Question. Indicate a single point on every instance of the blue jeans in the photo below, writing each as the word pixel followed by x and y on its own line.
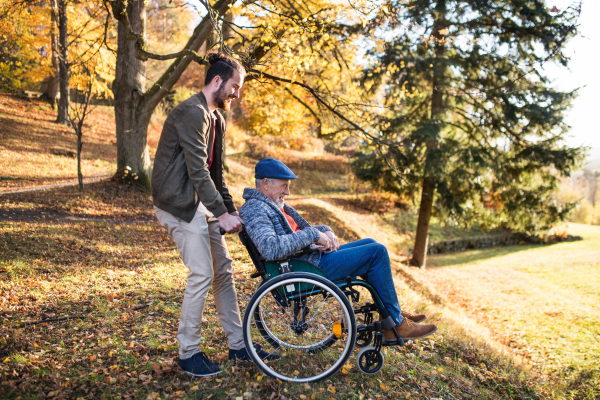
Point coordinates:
pixel 368 259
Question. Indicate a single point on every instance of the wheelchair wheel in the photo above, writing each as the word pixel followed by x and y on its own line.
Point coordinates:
pixel 313 330
pixel 369 360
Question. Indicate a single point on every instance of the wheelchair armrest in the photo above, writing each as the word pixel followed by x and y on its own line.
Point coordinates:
pixel 305 250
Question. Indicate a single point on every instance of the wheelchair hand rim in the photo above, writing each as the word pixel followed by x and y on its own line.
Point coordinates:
pixel 315 280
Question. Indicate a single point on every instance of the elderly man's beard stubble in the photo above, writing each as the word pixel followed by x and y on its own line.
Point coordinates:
pixel 221 98
pixel 280 202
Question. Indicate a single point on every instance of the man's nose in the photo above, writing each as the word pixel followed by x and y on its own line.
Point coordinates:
pixel 236 93
pixel 286 192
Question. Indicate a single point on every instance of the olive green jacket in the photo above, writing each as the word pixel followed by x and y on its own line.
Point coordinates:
pixel 180 177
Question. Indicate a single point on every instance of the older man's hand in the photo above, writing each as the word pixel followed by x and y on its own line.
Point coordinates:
pixel 335 243
pixel 324 241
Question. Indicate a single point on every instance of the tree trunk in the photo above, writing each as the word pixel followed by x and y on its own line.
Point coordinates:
pixel 133 106
pixel 63 58
pixel 79 147
pixel 53 86
pixel 420 249
pixel 132 119
pixel 437 108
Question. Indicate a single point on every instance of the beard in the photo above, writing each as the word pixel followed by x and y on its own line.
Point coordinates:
pixel 280 202
pixel 220 99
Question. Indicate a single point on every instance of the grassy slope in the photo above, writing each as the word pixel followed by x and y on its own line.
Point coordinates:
pixel 34 150
pixel 98 253
pixel 541 302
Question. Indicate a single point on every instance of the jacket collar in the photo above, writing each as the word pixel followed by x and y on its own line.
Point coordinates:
pixel 252 193
pixel 204 104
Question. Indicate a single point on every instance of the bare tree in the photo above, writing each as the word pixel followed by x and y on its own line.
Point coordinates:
pixel 78 111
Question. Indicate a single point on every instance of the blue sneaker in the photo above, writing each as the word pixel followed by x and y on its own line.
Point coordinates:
pixel 199 365
pixel 242 354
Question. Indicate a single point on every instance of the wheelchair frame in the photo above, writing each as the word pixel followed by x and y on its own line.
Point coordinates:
pixel 288 282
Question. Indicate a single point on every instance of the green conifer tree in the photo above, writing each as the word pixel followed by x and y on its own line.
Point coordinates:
pixel 473 124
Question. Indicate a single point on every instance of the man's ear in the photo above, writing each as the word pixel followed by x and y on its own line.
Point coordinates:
pixel 218 81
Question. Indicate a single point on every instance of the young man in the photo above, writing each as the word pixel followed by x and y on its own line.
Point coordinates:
pixel 192 202
pixel 278 231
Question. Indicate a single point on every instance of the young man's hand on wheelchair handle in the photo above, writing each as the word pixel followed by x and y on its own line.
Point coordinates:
pixel 324 241
pixel 230 222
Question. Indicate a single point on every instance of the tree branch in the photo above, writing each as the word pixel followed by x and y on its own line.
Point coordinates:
pixel 326 105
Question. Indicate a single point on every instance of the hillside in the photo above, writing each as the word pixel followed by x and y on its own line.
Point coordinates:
pixel 36 151
pixel 101 256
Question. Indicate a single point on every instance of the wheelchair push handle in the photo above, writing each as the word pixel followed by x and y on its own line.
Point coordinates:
pixel 224 232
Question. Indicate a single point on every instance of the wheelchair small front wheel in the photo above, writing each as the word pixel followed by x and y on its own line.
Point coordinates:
pixel 312 330
pixel 369 360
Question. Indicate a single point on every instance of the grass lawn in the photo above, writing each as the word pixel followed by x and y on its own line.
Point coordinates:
pixel 541 302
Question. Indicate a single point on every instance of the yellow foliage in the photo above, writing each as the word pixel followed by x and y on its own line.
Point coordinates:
pixel 306 51
pixel 24 51
pixel 26 33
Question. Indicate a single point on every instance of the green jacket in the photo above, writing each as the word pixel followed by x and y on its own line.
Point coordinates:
pixel 180 176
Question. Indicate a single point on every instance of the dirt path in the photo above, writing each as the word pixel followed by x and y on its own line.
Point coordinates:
pixel 92 179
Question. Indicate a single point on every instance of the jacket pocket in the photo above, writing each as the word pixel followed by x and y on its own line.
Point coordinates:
pixel 176 187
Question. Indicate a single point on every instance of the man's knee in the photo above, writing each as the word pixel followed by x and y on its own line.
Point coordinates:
pixel 380 249
pixel 199 279
pixel 224 274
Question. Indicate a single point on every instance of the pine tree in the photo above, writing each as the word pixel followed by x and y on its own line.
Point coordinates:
pixel 472 122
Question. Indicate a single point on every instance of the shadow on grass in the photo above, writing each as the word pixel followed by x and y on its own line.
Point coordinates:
pixel 471 256
pixel 104 200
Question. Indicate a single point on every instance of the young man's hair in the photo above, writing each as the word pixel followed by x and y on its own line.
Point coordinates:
pixel 223 66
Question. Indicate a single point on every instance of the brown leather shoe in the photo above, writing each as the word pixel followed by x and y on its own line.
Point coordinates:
pixel 416 318
pixel 408 330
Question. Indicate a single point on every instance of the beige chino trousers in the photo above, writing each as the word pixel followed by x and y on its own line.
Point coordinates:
pixel 204 252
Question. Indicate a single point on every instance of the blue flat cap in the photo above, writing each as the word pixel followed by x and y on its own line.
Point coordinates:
pixel 272 168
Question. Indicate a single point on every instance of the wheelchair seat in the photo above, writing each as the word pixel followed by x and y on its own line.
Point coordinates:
pixel 271 269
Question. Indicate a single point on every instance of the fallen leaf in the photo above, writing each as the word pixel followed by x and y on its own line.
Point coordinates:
pixel 93 357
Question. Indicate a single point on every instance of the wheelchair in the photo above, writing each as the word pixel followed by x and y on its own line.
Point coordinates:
pixel 308 321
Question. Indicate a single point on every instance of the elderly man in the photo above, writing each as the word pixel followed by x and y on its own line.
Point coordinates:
pixel 278 231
